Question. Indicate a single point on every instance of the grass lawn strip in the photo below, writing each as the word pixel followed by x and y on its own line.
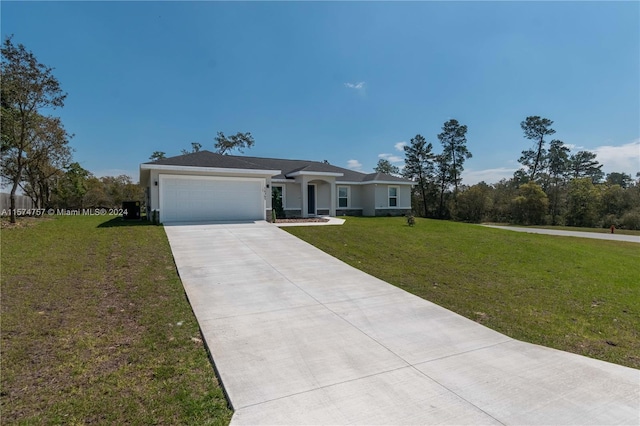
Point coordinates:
pixel 573 294
pixel 96 328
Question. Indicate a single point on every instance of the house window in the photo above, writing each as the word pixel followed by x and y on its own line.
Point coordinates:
pixel 393 196
pixel 343 196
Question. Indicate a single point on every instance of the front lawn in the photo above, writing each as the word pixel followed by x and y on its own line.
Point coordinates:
pixel 575 294
pixel 96 328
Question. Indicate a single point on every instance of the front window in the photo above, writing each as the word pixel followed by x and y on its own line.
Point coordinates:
pixel 393 196
pixel 343 196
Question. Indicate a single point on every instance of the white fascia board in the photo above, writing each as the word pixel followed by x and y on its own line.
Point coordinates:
pixel 383 182
pixel 303 173
pixel 144 177
pixel 218 170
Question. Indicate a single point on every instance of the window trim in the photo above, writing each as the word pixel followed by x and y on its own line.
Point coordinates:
pixel 348 197
pixel 396 197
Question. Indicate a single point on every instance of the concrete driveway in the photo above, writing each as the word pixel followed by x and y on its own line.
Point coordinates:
pixel 299 337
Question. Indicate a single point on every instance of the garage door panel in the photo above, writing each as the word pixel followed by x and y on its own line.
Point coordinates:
pixel 208 198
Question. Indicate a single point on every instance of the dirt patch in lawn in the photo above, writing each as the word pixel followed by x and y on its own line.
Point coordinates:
pixel 21 221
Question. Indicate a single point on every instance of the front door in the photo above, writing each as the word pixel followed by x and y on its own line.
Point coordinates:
pixel 311 200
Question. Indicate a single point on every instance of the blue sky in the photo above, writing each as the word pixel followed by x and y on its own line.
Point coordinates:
pixel 346 82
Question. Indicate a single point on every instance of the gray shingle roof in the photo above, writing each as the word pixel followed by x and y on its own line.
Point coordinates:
pixel 207 159
pixel 383 177
pixel 211 159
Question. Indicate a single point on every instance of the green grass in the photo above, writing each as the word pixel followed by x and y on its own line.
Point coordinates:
pixel 575 294
pixel 96 328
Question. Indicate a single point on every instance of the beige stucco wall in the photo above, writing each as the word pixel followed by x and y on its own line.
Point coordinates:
pixel 355 196
pixel 380 193
pixel 368 200
pixel 292 195
pixel 323 194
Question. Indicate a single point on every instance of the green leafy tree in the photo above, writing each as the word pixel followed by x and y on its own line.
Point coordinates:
pixel 385 166
pixel 454 150
pixel 535 128
pixel 95 195
pixel 157 155
pixel 27 87
pixel 238 141
pixel 121 188
pixel 72 187
pixel 583 199
pixel 613 203
pixel 51 154
pixel 474 203
pixel 419 166
pixel 584 164
pixel 502 195
pixel 531 204
pixel 631 219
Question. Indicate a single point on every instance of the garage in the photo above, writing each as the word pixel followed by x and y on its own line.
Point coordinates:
pixel 210 198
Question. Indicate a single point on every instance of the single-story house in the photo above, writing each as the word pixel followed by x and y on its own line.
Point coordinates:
pixel 205 186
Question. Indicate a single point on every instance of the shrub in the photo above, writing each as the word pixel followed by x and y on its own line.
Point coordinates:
pixel 631 220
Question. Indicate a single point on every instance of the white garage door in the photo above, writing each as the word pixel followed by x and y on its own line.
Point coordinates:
pixel 206 198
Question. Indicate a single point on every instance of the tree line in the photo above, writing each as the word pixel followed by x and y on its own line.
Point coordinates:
pixel 553 187
pixel 437 176
pixel 35 152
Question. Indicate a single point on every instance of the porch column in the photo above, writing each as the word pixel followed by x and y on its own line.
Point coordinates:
pixel 305 196
pixel 332 205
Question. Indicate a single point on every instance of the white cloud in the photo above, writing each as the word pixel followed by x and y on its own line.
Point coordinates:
pixel 624 158
pixel 391 158
pixel 471 177
pixel 356 86
pixel 354 165
pixel 399 146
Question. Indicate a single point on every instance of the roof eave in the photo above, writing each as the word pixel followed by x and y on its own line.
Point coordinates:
pixel 383 182
pixel 307 173
pixel 218 170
